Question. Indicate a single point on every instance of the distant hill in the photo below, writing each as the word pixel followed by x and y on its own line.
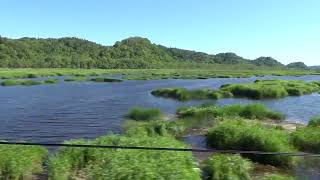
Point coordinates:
pixel 314 67
pixel 134 52
pixel 297 65
pixel 267 61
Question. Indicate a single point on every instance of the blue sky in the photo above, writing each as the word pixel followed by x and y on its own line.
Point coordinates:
pixel 288 30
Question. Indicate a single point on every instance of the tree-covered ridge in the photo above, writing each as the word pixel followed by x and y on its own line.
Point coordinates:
pixel 267 61
pixel 134 52
pixel 297 65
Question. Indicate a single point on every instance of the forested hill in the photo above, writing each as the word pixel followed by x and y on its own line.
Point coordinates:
pixel 133 52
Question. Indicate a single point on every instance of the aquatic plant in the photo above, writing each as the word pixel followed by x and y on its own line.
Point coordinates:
pixel 20 162
pixel 51 81
pixel 15 82
pixel 117 164
pixel 227 167
pixel 144 114
pixel 250 111
pixel 100 79
pixel 71 79
pixel 242 135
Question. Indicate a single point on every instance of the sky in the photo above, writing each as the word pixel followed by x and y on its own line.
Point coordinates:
pixel 288 30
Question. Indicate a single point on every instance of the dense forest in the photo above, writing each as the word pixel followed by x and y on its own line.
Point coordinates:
pixel 134 52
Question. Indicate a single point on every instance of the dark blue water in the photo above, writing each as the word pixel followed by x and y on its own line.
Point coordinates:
pixel 58 112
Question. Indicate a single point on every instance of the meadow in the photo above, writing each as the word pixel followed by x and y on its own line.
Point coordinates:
pixel 149 74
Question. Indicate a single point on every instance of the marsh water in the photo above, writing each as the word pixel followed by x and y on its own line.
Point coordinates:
pixel 58 112
pixel 68 110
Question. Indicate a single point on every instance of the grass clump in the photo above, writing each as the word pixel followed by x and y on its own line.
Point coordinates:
pixel 241 135
pixel 124 164
pixel 183 94
pixel 51 81
pixel 16 82
pixel 307 139
pixel 251 111
pixel 100 79
pixel 314 122
pixel 261 89
pixel 227 167
pixel 20 162
pixel 144 114
pixel 154 128
pixel 72 79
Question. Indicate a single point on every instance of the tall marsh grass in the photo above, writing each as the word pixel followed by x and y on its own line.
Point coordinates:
pixel 241 135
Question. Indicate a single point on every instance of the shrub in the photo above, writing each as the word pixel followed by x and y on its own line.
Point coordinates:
pixel 315 121
pixel 307 139
pixel 241 135
pixel 117 164
pixel 227 167
pixel 20 162
pixel 144 114
pixel 99 79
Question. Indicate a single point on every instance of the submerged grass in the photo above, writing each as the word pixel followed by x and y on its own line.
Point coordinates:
pixel 101 79
pixel 51 81
pixel 20 162
pixel 226 167
pixel 241 135
pixel 144 114
pixel 124 164
pixel 77 79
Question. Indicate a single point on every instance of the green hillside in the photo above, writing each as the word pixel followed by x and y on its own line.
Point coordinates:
pixel 134 52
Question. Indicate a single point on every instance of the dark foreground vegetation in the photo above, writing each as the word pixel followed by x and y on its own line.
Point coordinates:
pixel 260 89
pixel 124 164
pixel 241 135
pixel 20 162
